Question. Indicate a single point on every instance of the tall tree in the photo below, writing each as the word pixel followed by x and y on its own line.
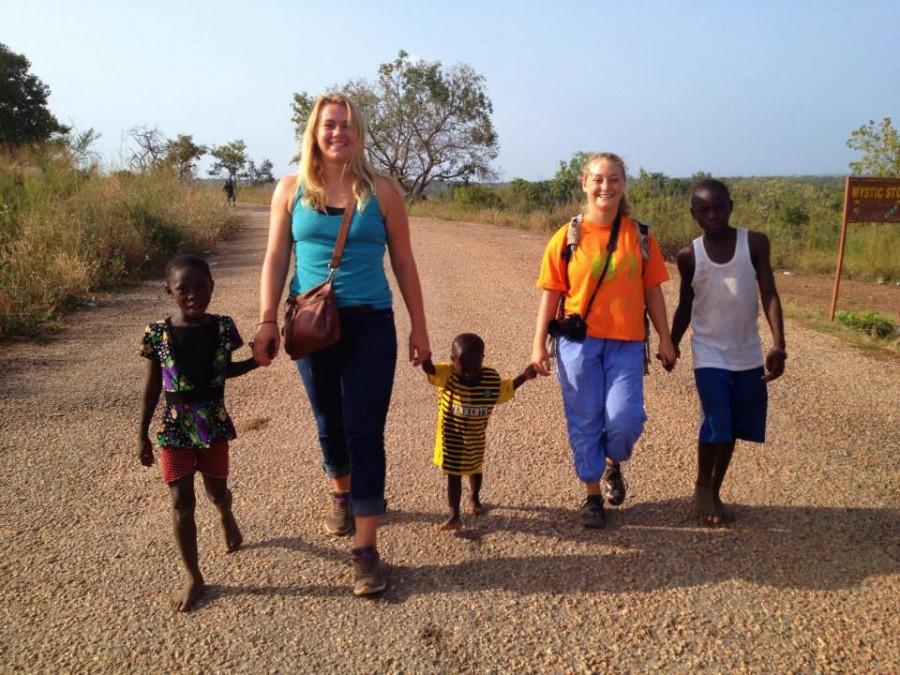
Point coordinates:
pixel 231 157
pixel 149 148
pixel 24 117
pixel 880 147
pixel 426 122
pixel 183 154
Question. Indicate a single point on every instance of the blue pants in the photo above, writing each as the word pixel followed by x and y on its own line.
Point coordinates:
pixel 603 398
pixel 349 387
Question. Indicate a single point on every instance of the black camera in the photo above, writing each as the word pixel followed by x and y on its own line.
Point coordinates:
pixel 571 327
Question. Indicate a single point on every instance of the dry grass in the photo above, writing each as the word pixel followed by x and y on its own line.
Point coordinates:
pixel 66 233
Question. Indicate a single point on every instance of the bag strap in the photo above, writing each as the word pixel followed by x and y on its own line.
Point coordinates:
pixel 610 249
pixel 341 239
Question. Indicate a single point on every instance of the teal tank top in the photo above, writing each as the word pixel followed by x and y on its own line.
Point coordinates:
pixel 360 279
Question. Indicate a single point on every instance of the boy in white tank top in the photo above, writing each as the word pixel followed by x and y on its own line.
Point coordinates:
pixel 720 274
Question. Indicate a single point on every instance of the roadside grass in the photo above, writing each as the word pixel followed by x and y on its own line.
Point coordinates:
pixel 810 247
pixel 816 318
pixel 68 232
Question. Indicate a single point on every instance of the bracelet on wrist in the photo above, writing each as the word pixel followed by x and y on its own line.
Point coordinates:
pixel 265 322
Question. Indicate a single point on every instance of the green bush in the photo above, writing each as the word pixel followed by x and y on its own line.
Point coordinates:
pixel 875 324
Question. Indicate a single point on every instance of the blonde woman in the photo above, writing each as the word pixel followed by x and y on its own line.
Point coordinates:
pixel 600 354
pixel 348 384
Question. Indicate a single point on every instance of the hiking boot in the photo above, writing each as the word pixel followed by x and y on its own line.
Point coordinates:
pixel 592 512
pixel 369 575
pixel 613 485
pixel 340 521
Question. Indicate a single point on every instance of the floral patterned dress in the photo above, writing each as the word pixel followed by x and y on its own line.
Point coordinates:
pixel 197 424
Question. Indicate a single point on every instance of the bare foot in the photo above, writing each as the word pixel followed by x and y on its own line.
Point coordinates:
pixel 233 537
pixel 725 513
pixel 705 507
pixel 184 600
pixel 476 508
pixel 452 524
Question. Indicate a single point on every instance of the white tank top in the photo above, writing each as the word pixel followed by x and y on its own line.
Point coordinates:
pixel 725 310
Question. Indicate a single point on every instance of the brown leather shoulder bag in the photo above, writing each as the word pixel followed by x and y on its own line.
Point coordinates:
pixel 311 319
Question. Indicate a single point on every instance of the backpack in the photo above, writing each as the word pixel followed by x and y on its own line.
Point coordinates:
pixel 572 237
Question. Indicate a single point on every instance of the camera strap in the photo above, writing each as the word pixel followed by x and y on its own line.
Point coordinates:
pixel 567 254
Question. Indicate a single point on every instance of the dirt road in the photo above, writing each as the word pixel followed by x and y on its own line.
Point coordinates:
pixel 808 580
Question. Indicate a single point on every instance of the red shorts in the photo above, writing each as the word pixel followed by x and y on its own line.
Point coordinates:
pixel 177 463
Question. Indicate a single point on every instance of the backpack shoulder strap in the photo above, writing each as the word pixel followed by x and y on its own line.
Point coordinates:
pixel 572 237
pixel 644 232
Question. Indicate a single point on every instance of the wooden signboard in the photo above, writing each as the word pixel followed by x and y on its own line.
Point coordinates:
pixel 866 200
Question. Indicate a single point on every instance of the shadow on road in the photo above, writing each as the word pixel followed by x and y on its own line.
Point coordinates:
pixel 648 546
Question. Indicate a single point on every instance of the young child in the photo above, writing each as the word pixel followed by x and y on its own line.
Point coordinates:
pixel 190 358
pixel 720 274
pixel 467 394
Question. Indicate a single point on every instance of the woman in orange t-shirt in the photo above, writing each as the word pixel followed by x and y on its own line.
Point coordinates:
pixel 601 370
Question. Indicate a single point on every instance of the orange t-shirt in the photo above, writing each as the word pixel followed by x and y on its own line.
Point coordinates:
pixel 618 309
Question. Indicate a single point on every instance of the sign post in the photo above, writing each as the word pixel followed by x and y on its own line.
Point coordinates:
pixel 866 200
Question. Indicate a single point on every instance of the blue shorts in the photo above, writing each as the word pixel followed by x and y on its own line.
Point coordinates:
pixel 734 404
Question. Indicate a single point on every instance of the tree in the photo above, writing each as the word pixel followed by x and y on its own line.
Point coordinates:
pixel 426 122
pixel 565 186
pixel 150 148
pixel 259 175
pixel 24 117
pixel 880 148
pixel 231 157
pixel 182 155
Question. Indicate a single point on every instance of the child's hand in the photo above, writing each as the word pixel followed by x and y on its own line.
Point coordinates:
pixel 146 451
pixel 428 366
pixel 530 372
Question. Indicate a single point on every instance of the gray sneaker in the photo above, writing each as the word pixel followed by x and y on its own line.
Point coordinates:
pixel 369 575
pixel 592 512
pixel 340 521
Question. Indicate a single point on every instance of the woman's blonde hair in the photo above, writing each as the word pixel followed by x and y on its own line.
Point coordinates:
pixel 624 204
pixel 310 179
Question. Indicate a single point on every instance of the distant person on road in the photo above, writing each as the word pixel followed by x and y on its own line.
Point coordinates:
pixel 720 274
pixel 348 384
pixel 467 394
pixel 605 277
pixel 190 359
pixel 228 189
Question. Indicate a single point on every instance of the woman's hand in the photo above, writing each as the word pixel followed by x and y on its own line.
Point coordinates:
pixel 265 342
pixel 419 347
pixel 667 354
pixel 540 360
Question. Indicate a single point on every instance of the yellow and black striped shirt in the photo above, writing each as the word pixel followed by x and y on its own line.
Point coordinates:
pixel 463 413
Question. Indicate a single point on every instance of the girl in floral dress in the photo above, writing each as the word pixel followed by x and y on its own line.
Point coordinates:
pixel 190 359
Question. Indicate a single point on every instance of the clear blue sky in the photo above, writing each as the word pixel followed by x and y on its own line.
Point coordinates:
pixel 734 88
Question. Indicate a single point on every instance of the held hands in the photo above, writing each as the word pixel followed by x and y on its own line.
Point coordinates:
pixel 774 364
pixel 265 342
pixel 419 348
pixel 668 354
pixel 540 360
pixel 145 452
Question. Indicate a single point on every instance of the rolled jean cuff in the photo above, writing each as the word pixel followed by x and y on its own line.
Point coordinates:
pixel 336 471
pixel 367 507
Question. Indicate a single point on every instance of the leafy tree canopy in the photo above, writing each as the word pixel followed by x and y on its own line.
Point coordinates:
pixel 231 157
pixel 183 154
pixel 426 122
pixel 880 148
pixel 24 117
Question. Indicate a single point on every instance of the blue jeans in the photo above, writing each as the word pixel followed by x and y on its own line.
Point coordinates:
pixel 349 388
pixel 603 398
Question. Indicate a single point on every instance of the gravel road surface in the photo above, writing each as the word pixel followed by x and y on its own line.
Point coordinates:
pixel 807 581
